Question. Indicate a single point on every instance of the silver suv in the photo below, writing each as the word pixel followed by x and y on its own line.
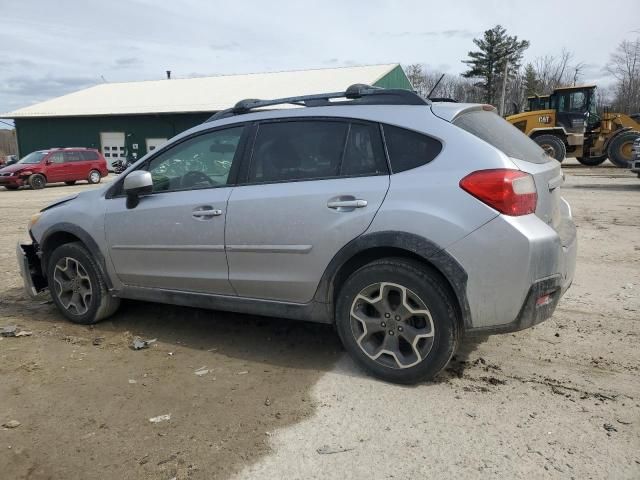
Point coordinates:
pixel 406 223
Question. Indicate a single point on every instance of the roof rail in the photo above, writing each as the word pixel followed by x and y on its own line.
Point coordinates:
pixel 357 94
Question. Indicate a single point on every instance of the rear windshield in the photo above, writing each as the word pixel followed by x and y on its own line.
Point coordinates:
pixel 496 131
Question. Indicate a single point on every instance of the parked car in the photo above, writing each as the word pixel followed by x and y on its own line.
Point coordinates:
pixel 635 157
pixel 406 223
pixel 8 160
pixel 66 165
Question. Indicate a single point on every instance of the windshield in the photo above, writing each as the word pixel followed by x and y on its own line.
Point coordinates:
pixel 33 157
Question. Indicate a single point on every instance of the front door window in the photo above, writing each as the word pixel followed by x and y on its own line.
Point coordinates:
pixel 201 162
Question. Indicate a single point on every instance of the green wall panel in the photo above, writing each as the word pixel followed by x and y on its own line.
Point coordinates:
pixel 42 133
pixel 396 78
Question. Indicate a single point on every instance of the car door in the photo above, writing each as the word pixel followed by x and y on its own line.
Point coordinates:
pixel 174 238
pixel 311 187
pixel 73 166
pixel 55 167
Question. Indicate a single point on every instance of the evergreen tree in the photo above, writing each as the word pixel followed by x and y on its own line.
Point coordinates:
pixel 531 84
pixel 495 48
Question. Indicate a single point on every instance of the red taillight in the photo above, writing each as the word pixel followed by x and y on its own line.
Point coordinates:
pixel 511 192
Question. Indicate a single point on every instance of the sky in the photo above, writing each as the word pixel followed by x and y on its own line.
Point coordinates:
pixel 49 48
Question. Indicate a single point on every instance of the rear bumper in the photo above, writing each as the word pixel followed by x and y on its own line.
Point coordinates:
pixel 30 269
pixel 518 269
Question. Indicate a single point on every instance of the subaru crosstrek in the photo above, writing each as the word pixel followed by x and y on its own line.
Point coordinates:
pixel 406 223
pixel 66 165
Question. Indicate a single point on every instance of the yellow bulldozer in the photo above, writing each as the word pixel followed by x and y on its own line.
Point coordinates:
pixel 567 121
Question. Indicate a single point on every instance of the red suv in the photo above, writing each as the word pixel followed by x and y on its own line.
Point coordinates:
pixel 66 165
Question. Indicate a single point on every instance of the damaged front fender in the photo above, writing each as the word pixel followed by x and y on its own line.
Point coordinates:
pixel 30 269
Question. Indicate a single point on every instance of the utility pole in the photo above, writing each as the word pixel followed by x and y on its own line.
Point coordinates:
pixel 504 87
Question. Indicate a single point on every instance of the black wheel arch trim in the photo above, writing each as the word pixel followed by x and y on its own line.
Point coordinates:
pixel 84 237
pixel 426 250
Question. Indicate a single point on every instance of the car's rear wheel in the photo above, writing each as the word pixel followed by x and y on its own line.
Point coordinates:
pixel 397 320
pixel 11 187
pixel 94 176
pixel 70 182
pixel 77 285
pixel 37 181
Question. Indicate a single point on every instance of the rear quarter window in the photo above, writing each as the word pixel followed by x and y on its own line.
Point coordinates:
pixel 408 149
pixel 496 131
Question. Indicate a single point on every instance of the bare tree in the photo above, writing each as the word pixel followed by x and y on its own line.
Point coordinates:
pixel 624 65
pixel 556 71
pixel 451 86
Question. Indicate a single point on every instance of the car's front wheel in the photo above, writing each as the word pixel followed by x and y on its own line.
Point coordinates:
pixel 37 181
pixel 77 285
pixel 397 320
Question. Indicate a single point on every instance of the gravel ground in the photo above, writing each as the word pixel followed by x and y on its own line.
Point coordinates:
pixel 561 400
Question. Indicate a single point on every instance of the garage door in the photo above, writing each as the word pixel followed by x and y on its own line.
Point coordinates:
pixel 153 143
pixel 112 147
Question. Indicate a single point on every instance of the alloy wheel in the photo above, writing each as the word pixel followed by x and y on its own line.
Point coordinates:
pixel 37 182
pixel 392 325
pixel 72 285
pixel 94 177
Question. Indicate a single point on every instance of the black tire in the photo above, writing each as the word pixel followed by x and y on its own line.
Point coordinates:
pixel 421 283
pixel 94 177
pixel 37 181
pixel 11 187
pixel 100 304
pixel 619 150
pixel 70 182
pixel 592 161
pixel 553 145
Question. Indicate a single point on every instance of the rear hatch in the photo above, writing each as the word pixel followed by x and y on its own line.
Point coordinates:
pixel 525 153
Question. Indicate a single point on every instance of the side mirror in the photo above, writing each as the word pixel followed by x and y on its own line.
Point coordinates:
pixel 137 184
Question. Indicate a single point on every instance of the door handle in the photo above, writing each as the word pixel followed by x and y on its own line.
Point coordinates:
pixel 355 203
pixel 206 212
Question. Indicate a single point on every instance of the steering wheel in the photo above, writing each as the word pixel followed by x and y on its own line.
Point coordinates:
pixel 195 177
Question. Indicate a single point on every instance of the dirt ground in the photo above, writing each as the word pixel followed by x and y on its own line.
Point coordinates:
pixel 561 400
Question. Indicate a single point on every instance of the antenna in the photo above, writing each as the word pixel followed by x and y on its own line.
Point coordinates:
pixel 435 86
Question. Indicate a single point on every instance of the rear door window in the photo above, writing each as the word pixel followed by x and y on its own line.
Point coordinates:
pixel 496 131
pixel 297 150
pixel 408 149
pixel 72 157
pixel 364 153
pixel 294 150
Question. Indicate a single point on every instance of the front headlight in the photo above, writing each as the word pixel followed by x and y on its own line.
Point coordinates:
pixel 34 219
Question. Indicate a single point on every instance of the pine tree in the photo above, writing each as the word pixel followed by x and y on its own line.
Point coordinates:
pixel 531 84
pixel 495 48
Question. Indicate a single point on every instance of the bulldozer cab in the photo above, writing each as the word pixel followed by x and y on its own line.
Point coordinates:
pixel 575 106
